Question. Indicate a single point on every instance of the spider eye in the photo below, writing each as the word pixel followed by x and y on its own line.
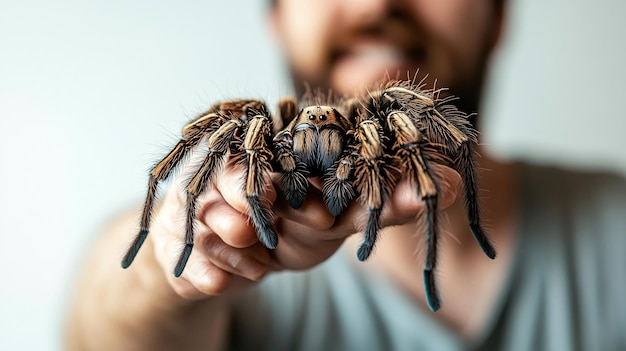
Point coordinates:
pixel 322 117
pixel 311 117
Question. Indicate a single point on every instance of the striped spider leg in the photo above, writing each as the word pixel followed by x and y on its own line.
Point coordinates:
pixel 408 147
pixel 448 131
pixel 222 126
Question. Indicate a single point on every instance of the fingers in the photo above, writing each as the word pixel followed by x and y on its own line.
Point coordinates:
pixel 226 255
pixel 310 234
pixel 214 268
pixel 405 204
pixel 302 247
pixel 313 212
pixel 230 185
pixel 233 227
pixel 250 262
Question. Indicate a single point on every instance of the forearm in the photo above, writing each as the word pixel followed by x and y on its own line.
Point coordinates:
pixel 136 309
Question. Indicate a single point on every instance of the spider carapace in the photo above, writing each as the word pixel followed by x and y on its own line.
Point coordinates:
pixel 359 146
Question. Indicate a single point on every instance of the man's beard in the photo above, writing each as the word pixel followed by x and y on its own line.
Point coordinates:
pixel 467 93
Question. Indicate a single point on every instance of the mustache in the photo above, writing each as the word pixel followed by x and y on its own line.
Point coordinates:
pixel 395 30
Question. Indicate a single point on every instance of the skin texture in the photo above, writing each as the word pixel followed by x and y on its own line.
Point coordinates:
pixel 347 45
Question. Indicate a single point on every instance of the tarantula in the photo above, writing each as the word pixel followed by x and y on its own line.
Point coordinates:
pixel 359 146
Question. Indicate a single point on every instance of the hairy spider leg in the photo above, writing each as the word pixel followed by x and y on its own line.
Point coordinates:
pixel 337 190
pixel 287 111
pixel 447 127
pixel 463 155
pixel 218 145
pixel 464 161
pixel 192 134
pixel 294 173
pixel 256 155
pixel 408 146
pixel 374 179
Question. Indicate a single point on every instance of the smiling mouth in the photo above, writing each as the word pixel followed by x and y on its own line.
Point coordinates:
pixel 385 53
pixel 379 55
pixel 362 61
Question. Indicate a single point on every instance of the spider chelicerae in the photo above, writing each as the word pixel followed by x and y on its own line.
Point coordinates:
pixel 359 146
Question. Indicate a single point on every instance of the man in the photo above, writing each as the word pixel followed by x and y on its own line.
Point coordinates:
pixel 229 293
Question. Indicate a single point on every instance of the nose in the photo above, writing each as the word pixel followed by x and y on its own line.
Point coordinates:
pixel 365 11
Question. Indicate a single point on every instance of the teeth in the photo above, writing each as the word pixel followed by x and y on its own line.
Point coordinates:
pixel 379 53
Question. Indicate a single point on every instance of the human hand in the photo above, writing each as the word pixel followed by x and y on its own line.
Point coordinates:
pixel 227 254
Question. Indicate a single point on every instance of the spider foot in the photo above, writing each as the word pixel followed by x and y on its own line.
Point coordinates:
pixel 294 185
pixel 134 249
pixel 182 261
pixel 262 219
pixel 482 240
pixel 371 232
pixel 432 295
pixel 337 195
pixel 364 252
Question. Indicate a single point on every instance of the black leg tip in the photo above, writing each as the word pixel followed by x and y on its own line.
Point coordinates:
pixel 432 296
pixel 483 241
pixel 294 186
pixel 269 238
pixel 295 201
pixel 364 252
pixel 134 249
pixel 182 261
pixel 262 219
pixel 337 196
pixel 334 207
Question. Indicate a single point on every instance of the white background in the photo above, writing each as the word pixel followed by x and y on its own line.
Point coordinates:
pixel 93 92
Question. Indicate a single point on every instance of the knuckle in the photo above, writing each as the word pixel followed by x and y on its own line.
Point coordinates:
pixel 214 246
pixel 205 278
pixel 228 184
pixel 214 283
pixel 183 288
pixel 232 227
pixel 187 292
pixel 211 245
pixel 248 262
pixel 321 220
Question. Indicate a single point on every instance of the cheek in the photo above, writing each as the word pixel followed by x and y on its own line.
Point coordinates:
pixel 305 27
pixel 458 30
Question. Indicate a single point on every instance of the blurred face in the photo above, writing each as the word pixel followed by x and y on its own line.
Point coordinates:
pixel 348 45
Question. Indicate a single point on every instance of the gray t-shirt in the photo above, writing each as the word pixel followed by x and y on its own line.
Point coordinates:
pixel 566 289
